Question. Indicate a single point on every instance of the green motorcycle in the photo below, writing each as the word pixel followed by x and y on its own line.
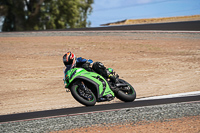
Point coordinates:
pixel 89 87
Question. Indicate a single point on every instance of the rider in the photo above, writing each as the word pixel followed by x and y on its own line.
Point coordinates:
pixel 70 61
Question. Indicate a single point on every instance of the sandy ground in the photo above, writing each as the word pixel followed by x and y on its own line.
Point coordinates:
pixel 31 68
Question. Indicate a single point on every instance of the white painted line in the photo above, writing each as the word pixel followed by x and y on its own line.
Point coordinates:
pixel 107 31
pixel 195 93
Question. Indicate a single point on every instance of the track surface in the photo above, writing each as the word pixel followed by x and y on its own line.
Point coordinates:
pixel 97 108
pixel 181 26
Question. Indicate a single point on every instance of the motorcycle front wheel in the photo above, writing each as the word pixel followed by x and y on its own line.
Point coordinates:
pixel 126 94
pixel 83 96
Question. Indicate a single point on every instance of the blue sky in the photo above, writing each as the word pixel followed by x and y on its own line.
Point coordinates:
pixel 106 11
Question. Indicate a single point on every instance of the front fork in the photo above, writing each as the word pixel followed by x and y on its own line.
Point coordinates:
pixel 83 87
pixel 84 91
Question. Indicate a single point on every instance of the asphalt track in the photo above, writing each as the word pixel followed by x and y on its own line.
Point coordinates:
pixel 97 108
pixel 169 26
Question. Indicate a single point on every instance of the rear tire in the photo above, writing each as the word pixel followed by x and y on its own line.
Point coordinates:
pixel 126 96
pixel 81 99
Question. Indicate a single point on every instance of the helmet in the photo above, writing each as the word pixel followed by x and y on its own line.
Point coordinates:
pixel 69 59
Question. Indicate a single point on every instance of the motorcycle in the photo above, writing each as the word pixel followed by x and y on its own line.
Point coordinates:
pixel 90 87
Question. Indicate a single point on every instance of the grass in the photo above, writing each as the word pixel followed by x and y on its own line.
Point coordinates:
pixel 155 20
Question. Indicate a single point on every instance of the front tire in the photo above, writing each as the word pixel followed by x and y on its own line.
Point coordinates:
pixel 75 91
pixel 126 95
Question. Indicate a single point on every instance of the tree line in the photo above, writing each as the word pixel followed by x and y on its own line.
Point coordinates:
pixel 22 15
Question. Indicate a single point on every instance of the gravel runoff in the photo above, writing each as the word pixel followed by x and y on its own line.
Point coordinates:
pixel 122 116
pixel 135 34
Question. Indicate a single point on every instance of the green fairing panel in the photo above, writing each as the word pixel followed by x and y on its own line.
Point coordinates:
pixel 80 72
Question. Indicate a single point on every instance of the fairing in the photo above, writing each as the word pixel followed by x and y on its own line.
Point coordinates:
pixel 97 80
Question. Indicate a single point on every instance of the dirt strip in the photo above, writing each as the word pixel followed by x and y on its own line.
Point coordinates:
pixel 181 125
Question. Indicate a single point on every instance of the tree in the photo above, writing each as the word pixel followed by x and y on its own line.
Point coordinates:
pixel 44 14
pixel 85 10
pixel 14 17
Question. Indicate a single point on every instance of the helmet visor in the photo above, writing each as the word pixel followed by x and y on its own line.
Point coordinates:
pixel 70 62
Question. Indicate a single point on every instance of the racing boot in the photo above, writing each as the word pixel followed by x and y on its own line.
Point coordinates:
pixel 112 78
pixel 112 83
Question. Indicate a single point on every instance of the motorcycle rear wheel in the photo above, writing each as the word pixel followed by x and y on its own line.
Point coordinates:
pixel 126 95
pixel 81 99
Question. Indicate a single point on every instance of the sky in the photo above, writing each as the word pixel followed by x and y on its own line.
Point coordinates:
pixel 107 11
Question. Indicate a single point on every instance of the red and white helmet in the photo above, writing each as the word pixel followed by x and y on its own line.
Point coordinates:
pixel 69 59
